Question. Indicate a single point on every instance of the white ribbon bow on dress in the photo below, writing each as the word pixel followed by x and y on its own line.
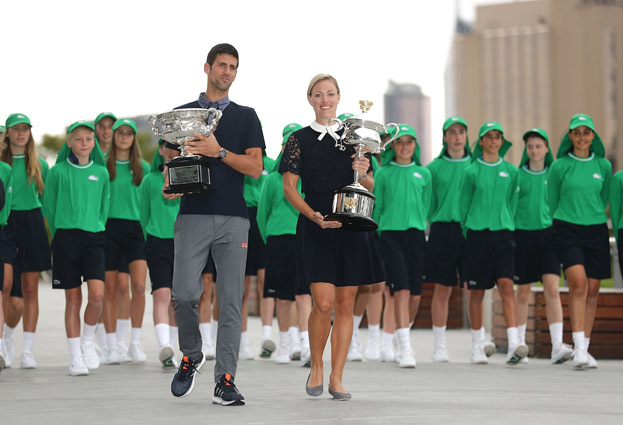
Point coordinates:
pixel 323 129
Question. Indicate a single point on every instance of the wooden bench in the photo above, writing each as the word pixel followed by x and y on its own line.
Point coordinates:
pixel 606 337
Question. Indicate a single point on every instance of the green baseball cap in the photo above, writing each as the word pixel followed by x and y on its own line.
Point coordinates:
pixel 539 132
pixel 81 123
pixel 15 119
pixel 489 126
pixel 124 121
pixel 579 120
pixel 403 130
pixel 549 158
pixel 446 125
pixel 103 115
pixel 484 129
pixel 289 129
pixel 345 115
pixel 406 130
pixel 96 154
pixel 453 120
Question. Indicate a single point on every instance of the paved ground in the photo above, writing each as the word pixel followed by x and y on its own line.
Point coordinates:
pixel 457 393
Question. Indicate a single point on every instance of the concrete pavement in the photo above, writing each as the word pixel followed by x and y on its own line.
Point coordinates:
pixel 456 392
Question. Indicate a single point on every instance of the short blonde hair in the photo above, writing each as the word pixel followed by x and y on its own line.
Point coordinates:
pixel 322 77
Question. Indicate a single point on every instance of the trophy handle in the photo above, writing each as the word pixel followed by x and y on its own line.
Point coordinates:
pixel 216 115
pixel 397 127
pixel 152 122
pixel 332 132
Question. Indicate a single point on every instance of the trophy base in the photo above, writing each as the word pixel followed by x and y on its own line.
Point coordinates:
pixel 188 175
pixel 353 222
pixel 352 206
pixel 189 188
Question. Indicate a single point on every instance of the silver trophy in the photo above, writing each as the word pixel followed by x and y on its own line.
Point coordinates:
pixel 187 173
pixel 353 204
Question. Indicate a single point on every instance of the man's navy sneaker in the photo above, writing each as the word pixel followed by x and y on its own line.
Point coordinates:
pixel 226 393
pixel 184 380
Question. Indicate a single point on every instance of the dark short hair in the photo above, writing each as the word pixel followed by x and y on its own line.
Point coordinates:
pixel 223 48
pixel 535 134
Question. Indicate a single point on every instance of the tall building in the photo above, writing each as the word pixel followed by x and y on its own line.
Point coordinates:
pixel 406 103
pixel 535 64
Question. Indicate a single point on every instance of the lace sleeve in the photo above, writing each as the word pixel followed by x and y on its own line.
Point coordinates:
pixel 291 159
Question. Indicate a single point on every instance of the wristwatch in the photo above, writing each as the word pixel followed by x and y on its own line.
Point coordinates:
pixel 222 153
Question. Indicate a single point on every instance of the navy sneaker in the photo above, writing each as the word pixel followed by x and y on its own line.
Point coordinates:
pixel 226 393
pixel 184 380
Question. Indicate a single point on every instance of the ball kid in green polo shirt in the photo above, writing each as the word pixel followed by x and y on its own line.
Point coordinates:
pixel 76 202
pixel 488 199
pixel 579 188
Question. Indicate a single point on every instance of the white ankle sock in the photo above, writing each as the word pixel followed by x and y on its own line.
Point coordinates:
pixel 483 335
pixel 477 336
pixel 357 321
pixel 513 337
pixel 294 334
pixel 555 334
pixel 403 339
pixel 587 342
pixel 284 339
pixel 88 332
pixel 214 329
pixel 387 339
pixel 579 341
pixel 267 332
pixel 439 333
pixel 7 333
pixel 162 334
pixel 74 347
pixel 28 340
pixel 112 340
pixel 173 336
pixel 521 329
pixel 205 329
pixel 374 331
pixel 136 335
pixel 122 330
pixel 100 334
pixel 305 339
pixel 244 338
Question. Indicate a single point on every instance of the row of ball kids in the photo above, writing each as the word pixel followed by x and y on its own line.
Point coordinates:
pixel 115 229
pixel 492 223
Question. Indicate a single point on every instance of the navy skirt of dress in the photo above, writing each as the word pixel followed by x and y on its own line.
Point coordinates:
pixel 337 256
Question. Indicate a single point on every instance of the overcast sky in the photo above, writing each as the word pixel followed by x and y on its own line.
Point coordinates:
pixel 68 60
